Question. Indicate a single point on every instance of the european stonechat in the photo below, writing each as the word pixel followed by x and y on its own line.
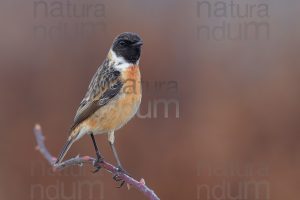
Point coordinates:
pixel 107 106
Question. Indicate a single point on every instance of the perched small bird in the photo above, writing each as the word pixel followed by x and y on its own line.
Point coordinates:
pixel 113 96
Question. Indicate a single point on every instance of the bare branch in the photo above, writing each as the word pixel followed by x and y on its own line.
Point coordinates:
pixel 80 160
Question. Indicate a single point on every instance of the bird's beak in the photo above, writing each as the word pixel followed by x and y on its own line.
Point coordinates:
pixel 139 43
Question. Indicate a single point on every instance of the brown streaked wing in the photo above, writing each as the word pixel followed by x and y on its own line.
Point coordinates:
pixel 102 89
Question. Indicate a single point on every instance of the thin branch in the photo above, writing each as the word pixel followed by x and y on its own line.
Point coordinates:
pixel 80 160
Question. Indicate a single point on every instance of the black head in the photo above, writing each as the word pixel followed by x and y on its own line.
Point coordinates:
pixel 128 45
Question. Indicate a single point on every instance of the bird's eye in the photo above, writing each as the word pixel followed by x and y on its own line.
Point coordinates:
pixel 122 43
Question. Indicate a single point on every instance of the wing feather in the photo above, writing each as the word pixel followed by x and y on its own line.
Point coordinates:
pixel 105 85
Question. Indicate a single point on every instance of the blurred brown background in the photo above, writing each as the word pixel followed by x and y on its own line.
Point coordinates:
pixel 237 135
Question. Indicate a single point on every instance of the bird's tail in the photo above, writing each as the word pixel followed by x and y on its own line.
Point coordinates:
pixel 65 149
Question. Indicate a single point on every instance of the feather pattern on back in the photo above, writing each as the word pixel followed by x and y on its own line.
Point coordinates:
pixel 105 85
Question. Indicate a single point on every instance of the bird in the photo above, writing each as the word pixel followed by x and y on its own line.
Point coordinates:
pixel 113 96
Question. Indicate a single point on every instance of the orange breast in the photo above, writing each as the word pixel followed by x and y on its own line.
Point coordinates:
pixel 132 80
pixel 119 111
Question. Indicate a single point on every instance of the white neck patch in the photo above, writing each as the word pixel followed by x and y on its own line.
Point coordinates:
pixel 121 63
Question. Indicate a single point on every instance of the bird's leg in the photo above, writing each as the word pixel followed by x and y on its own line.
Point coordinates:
pixel 119 168
pixel 116 156
pixel 98 154
pixel 111 140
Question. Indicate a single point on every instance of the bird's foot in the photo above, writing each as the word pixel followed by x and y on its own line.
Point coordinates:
pixel 99 159
pixel 117 177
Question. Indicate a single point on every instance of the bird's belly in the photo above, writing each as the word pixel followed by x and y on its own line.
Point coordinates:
pixel 115 114
pixel 118 111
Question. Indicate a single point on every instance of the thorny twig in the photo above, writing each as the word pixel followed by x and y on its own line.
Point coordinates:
pixel 80 160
